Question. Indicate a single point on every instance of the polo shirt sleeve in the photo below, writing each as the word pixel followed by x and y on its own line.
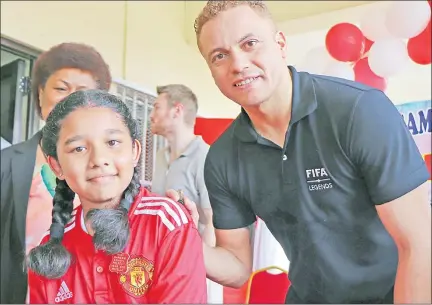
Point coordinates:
pixel 383 149
pixel 229 211
pixel 180 276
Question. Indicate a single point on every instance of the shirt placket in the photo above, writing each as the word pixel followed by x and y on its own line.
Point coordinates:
pixel 100 278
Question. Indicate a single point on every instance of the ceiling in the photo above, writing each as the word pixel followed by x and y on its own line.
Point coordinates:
pixel 281 11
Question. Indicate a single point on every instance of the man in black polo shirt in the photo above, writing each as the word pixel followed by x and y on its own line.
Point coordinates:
pixel 328 164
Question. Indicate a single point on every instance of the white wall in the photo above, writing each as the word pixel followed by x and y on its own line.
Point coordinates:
pixel 155 52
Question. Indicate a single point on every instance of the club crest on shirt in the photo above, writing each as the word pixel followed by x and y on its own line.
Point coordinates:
pixel 138 276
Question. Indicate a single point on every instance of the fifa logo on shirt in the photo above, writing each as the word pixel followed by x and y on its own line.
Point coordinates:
pixel 318 179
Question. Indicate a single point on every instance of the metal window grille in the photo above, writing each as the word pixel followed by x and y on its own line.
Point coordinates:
pixel 140 102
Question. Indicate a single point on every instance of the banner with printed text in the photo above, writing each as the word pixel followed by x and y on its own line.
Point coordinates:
pixel 418 117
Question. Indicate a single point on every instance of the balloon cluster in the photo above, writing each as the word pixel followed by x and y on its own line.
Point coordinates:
pixel 380 48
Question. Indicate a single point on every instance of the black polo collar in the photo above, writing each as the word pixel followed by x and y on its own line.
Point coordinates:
pixel 304 103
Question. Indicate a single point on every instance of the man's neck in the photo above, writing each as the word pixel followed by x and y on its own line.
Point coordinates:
pixel 179 140
pixel 273 116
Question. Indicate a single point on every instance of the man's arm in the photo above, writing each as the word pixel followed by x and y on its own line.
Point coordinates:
pixel 381 146
pixel 208 233
pixel 408 220
pixel 230 262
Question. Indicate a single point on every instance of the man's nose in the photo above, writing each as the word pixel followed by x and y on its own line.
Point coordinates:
pixel 239 61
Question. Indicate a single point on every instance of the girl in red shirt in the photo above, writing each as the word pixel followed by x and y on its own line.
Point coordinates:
pixel 122 244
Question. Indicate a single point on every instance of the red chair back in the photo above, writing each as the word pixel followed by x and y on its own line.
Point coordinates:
pixel 267 288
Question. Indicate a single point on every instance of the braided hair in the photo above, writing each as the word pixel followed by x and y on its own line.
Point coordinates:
pixel 111 226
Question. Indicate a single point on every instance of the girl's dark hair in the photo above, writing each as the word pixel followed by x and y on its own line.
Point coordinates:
pixel 69 55
pixel 111 226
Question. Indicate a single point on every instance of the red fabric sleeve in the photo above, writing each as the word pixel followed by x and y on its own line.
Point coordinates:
pixel 180 275
pixel 36 286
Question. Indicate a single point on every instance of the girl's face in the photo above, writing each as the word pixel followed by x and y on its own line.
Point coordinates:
pixel 96 155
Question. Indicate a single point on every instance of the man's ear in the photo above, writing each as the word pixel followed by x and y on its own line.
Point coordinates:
pixel 55 167
pixel 136 152
pixel 282 42
pixel 178 109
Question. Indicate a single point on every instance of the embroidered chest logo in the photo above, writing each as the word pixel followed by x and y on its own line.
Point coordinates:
pixel 135 273
pixel 318 179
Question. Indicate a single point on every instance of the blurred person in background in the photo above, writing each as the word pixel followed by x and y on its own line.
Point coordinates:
pixel 181 164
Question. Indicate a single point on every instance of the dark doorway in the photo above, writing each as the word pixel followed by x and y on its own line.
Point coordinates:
pixel 13 84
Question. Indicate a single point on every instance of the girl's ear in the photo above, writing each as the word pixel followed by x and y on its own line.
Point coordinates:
pixel 55 167
pixel 136 152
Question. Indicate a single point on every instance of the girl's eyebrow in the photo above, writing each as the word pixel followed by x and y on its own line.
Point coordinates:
pixel 113 131
pixel 109 131
pixel 73 139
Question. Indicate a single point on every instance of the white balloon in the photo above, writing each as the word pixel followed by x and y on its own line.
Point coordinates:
pixel 315 61
pixel 407 19
pixel 340 69
pixel 388 56
pixel 373 24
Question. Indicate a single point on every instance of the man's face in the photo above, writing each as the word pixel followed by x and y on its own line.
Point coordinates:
pixel 162 116
pixel 245 54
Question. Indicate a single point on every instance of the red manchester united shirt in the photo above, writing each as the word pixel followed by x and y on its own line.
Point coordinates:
pixel 162 263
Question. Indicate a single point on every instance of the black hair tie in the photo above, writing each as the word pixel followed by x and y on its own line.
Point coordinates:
pixel 57 231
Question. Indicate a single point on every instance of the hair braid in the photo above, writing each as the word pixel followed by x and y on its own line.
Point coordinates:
pixel 51 259
pixel 111 226
pixel 131 192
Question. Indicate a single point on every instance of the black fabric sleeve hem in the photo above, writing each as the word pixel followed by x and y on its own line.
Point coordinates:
pixel 409 183
pixel 231 226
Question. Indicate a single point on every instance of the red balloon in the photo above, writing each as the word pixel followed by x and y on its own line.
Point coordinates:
pixel 364 74
pixel 345 42
pixel 419 47
pixel 368 45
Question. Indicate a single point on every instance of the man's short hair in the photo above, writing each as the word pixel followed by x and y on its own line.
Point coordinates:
pixel 176 93
pixel 213 8
pixel 69 55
